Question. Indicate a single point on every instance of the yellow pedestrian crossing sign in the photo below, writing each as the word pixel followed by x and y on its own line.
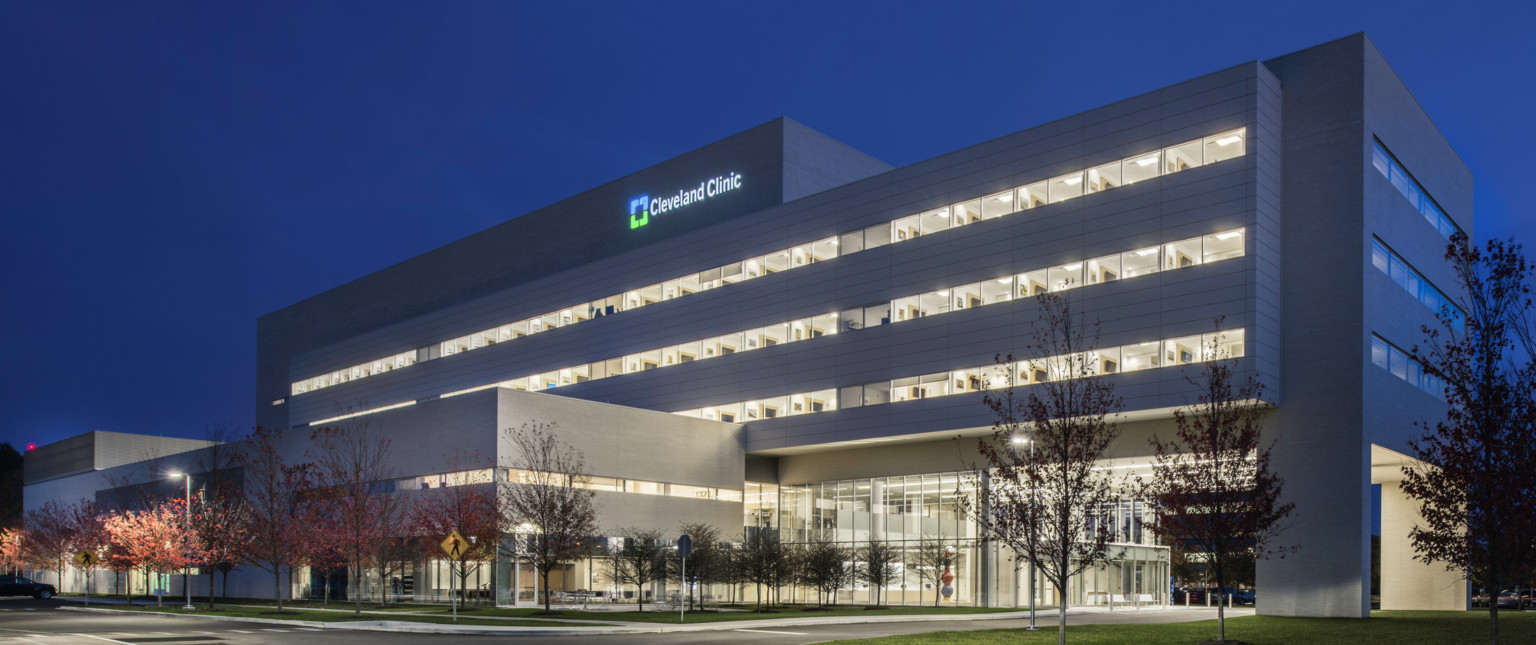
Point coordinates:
pixel 85 558
pixel 455 546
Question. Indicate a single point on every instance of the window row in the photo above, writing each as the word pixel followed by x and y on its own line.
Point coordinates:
pixel 445 480
pixel 1113 360
pixel 733 343
pixel 1130 264
pixel 1419 198
pixel 1184 253
pixel 641 487
pixel 1396 361
pixel 1190 154
pixel 1389 262
pixel 403 359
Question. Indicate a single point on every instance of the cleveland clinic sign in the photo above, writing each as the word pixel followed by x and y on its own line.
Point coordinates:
pixel 643 207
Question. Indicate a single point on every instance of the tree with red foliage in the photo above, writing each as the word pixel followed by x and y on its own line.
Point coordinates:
pixel 275 500
pixel 116 556
pixel 467 504
pixel 11 556
pixel 90 534
pixel 353 465
pixel 324 546
pixel 154 538
pixel 1211 489
pixel 56 532
pixel 220 529
pixel 1477 502
pixel 1040 494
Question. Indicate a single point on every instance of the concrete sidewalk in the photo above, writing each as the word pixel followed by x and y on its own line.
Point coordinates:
pixel 1045 617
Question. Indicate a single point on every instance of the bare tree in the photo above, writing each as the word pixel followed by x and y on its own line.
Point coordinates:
pixel 1211 489
pixel 929 560
pixel 1040 495
pixel 549 491
pixel 1471 479
pixel 761 561
pixel 879 567
pixel 705 562
pixel 352 460
pixel 826 566
pixel 639 562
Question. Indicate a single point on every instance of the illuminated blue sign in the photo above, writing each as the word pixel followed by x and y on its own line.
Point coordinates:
pixel 641 208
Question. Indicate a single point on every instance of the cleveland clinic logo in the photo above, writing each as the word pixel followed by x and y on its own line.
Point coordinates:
pixel 639 211
pixel 641 208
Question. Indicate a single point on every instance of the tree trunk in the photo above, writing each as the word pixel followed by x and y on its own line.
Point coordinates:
pixel 1221 617
pixel 277 586
pixel 545 574
pixel 357 586
pixel 1493 614
pixel 210 587
pixel 1061 615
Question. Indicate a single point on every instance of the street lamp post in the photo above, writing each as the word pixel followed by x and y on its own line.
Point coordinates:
pixel 186 569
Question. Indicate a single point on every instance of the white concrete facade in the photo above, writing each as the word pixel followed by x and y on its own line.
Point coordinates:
pixel 1304 292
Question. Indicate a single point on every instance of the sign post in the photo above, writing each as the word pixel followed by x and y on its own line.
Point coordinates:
pixel 684 547
pixel 454 545
pixel 87 560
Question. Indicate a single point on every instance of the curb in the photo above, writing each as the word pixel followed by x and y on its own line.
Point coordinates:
pixel 232 619
pixel 497 630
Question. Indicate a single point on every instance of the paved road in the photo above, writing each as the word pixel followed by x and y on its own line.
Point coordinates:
pixel 37 622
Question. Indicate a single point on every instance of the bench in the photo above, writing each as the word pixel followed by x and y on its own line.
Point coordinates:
pixel 1139 600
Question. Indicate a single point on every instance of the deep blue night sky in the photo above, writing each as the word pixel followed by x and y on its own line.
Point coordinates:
pixel 172 171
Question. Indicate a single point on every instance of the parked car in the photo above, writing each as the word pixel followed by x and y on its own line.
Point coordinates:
pixel 1239 596
pixel 1243 596
pixel 1192 595
pixel 1479 598
pixel 1509 599
pixel 19 586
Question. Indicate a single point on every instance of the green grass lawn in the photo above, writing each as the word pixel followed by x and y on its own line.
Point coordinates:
pixel 1386 627
pixel 337 617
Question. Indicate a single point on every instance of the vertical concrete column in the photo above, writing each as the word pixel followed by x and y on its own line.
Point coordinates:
pixel 1327 476
pixel 1407 583
pixel 987 550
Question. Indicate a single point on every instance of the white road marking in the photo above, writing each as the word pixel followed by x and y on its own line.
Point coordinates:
pixel 241 631
pixel 274 630
pixel 764 631
pixel 103 638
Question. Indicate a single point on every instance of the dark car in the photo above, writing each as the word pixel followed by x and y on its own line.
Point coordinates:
pixel 1480 598
pixel 1188 595
pixel 19 586
pixel 1238 596
pixel 1510 599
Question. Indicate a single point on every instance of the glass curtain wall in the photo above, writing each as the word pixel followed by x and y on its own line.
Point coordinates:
pixel 904 510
